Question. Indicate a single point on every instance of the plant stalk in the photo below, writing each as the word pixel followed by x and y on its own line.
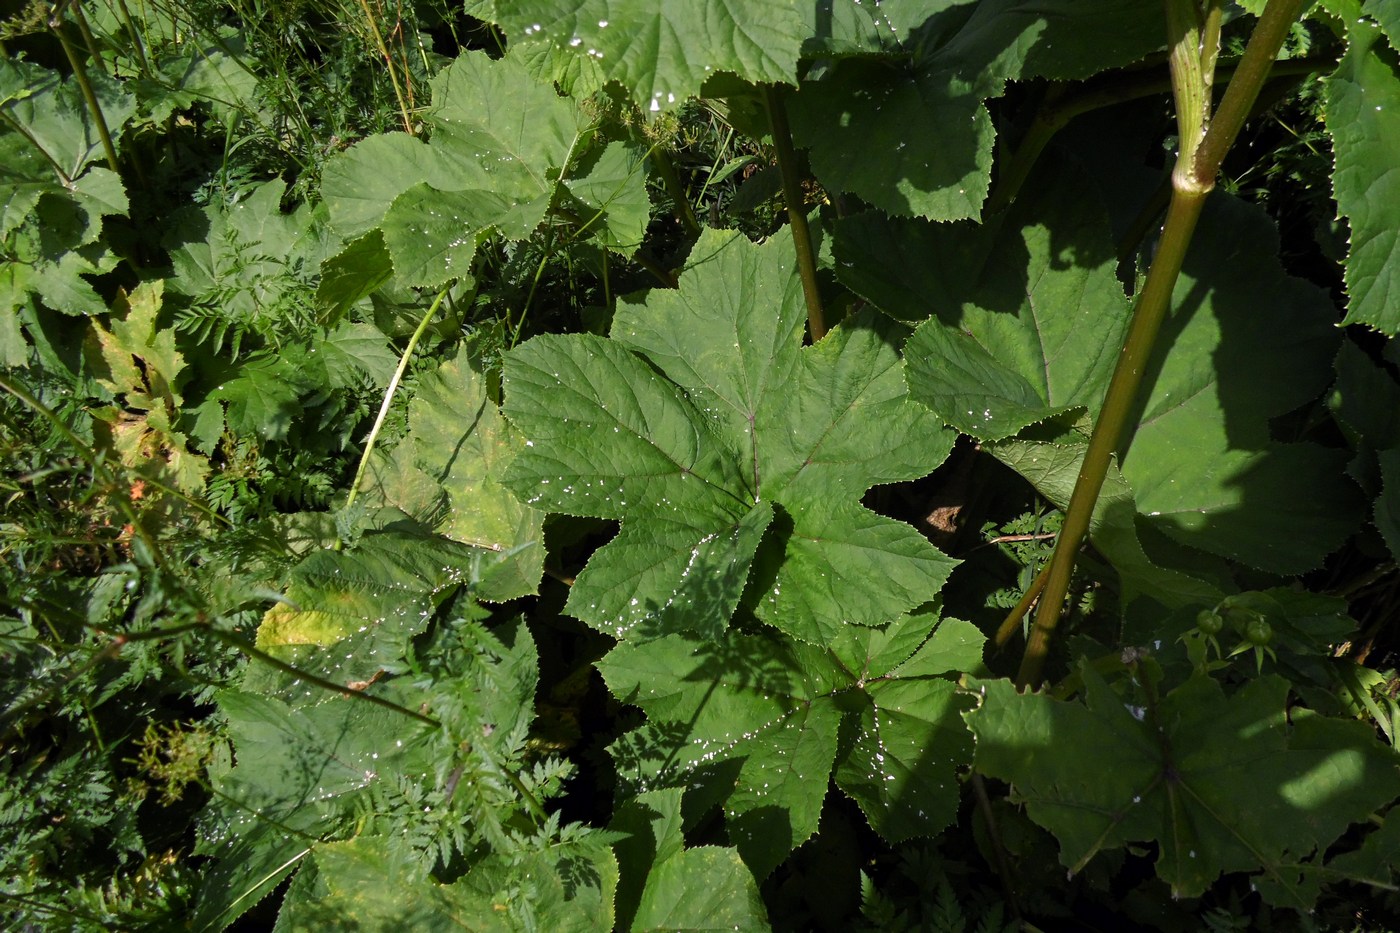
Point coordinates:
pixel 661 161
pixel 404 112
pixel 797 214
pixel 89 96
pixel 389 397
pixel 1193 178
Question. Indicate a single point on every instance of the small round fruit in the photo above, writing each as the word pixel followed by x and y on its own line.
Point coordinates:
pixel 1210 622
pixel 1258 633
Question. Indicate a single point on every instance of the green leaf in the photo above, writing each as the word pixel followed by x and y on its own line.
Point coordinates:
pixel 501 143
pixel 301 773
pixel 1009 348
pixel 1387 13
pixel 364 886
pixel 1220 784
pixel 355 349
pixel 756 718
pixel 56 117
pixel 1220 372
pixel 705 888
pixel 262 399
pixel 1387 507
pixel 353 273
pixel 661 53
pixel 349 614
pixel 446 472
pixel 1030 313
pixel 665 886
pixel 249 258
pixel 432 235
pixel 923 109
pixel 1363 117
pixel 1053 469
pixel 610 184
pixel 740 429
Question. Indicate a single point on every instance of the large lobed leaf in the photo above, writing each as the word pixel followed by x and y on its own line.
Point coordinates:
pixel 1220 784
pixel 661 53
pixel 755 720
pixel 1028 318
pixel 500 145
pixel 923 107
pixel 1363 118
pixel 733 457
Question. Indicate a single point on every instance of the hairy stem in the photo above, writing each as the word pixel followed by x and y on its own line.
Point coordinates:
pixel 796 210
pixel 1192 181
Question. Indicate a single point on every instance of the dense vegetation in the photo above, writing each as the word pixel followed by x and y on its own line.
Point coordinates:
pixel 613 464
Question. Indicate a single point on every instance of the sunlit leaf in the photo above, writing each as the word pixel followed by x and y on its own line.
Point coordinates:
pixel 741 431
pixel 1219 783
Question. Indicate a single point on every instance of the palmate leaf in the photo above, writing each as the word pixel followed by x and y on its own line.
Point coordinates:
pixel 661 53
pixel 1029 312
pixel 923 108
pixel 1363 118
pixel 500 145
pixel 755 719
pixel 1220 784
pixel 741 437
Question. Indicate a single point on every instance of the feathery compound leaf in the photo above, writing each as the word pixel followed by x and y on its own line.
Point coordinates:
pixel 1363 116
pixel 661 52
pixel 755 719
pixel 741 432
pixel 1219 784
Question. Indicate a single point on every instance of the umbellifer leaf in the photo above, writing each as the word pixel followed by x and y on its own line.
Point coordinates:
pixel 1219 783
pixel 741 432
pixel 922 108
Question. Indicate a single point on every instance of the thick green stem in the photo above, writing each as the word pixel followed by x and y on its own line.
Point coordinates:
pixel 1182 214
pixel 796 209
pixel 1192 181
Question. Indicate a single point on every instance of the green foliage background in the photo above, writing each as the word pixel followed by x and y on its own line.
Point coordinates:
pixel 585 464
